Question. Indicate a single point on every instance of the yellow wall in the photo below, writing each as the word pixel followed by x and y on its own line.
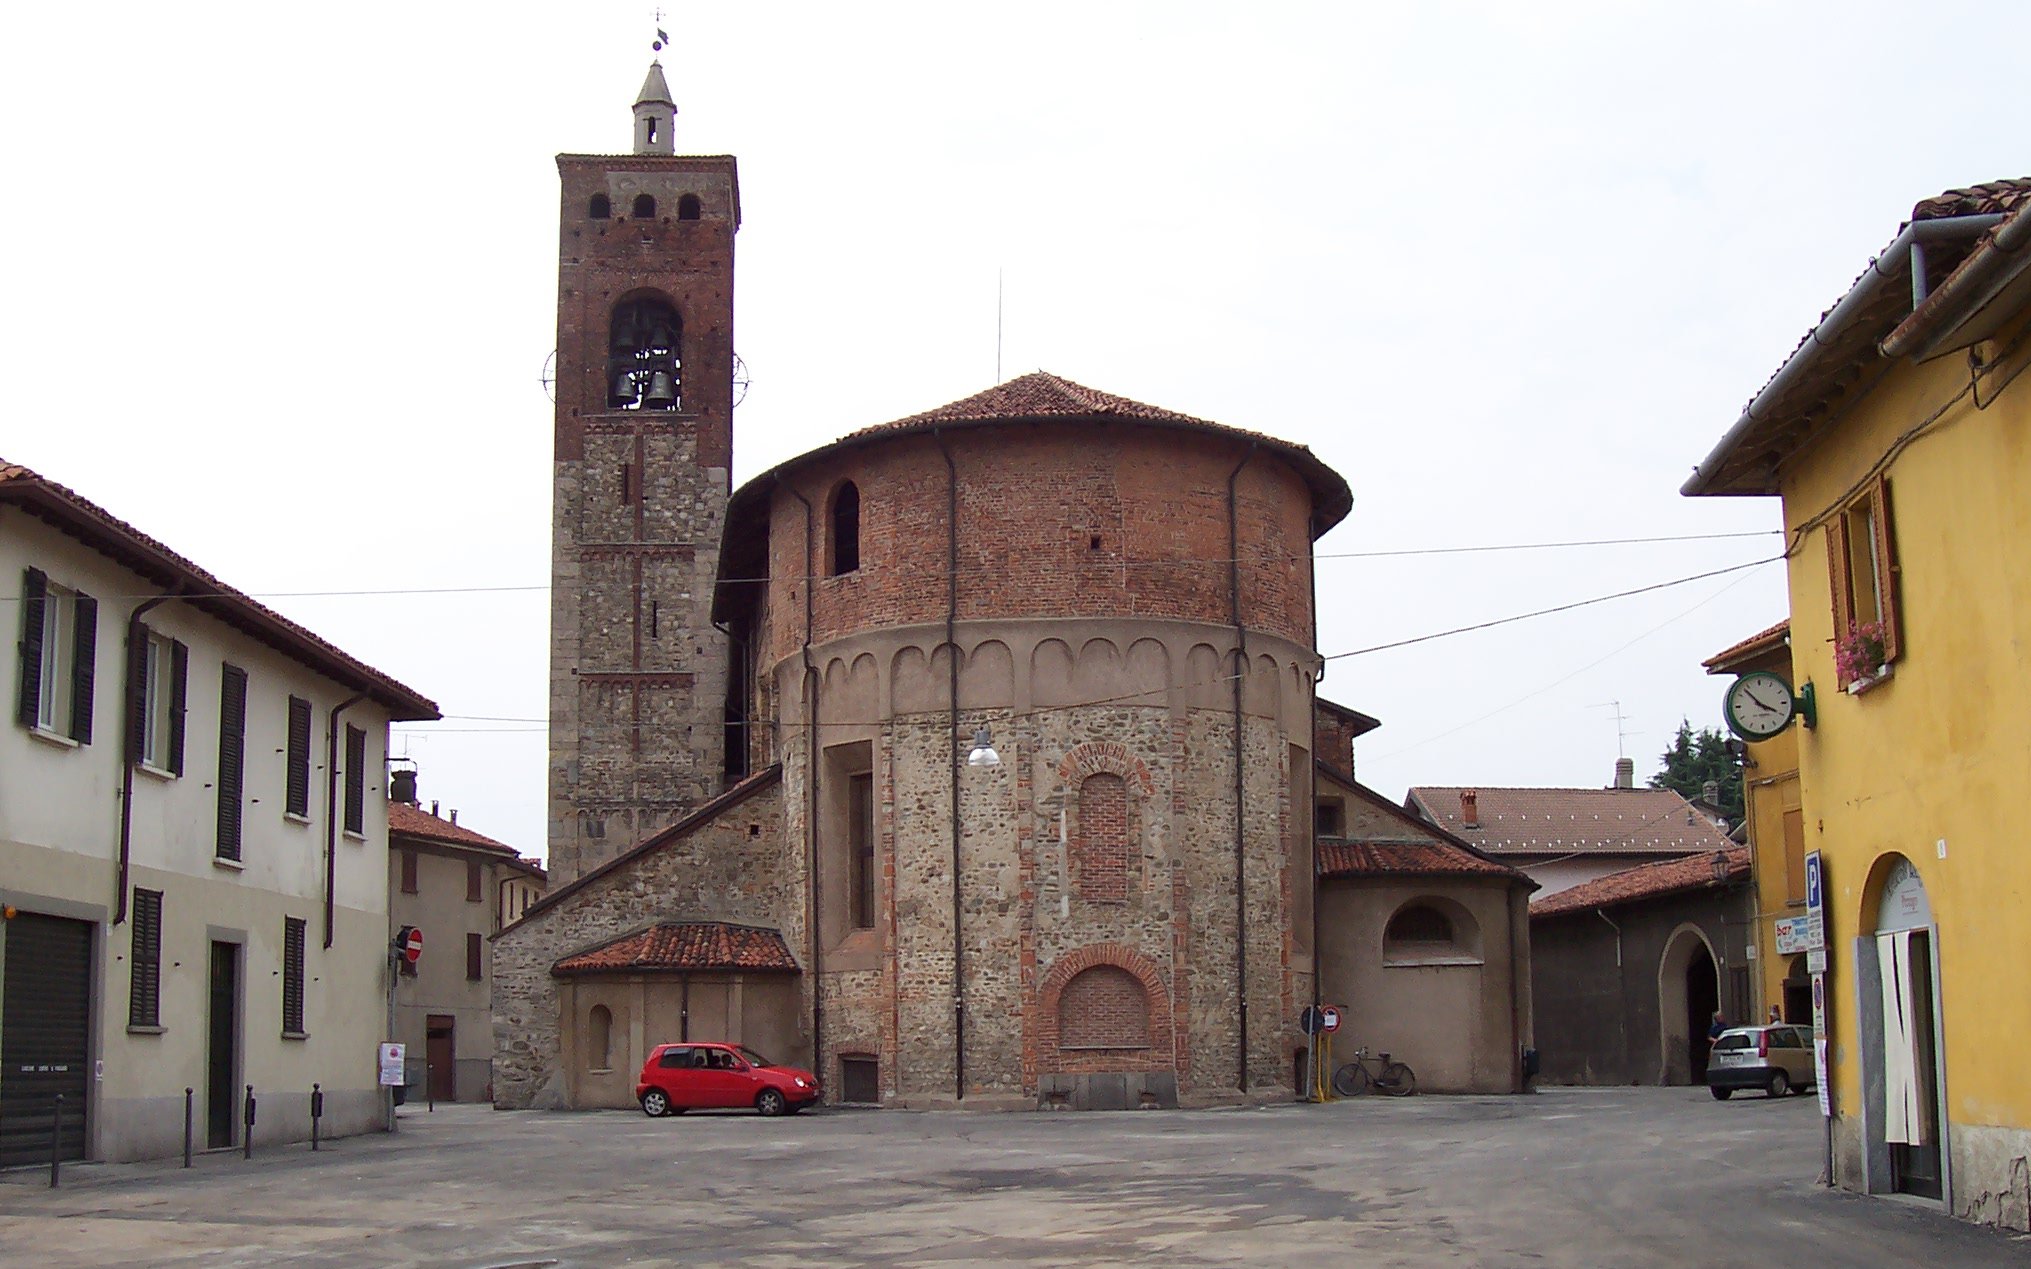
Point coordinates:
pixel 1942 750
pixel 1769 788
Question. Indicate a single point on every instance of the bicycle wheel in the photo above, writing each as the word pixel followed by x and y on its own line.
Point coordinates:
pixel 1397 1080
pixel 1351 1080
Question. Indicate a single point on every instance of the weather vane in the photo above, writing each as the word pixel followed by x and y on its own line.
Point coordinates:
pixel 662 37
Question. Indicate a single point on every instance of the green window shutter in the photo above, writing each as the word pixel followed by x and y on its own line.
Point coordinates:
pixel 232 757
pixel 292 975
pixel 34 594
pixel 179 677
pixel 144 995
pixel 137 691
pixel 299 756
pixel 356 779
pixel 86 645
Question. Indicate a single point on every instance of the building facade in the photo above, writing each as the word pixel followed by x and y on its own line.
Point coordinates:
pixel 192 850
pixel 1898 437
pixel 458 887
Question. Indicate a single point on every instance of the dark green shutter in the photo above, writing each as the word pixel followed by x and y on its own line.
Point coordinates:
pixel 299 756
pixel 86 651
pixel 137 691
pixel 179 675
pixel 356 780
pixel 144 994
pixel 292 975
pixel 232 757
pixel 34 594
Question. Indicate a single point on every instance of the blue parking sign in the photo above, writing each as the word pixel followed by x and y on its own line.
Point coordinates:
pixel 1814 900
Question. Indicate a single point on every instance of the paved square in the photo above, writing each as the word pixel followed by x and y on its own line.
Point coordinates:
pixel 1566 1178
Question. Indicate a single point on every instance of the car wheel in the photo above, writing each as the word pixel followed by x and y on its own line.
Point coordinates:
pixel 655 1103
pixel 1722 1094
pixel 1779 1085
pixel 770 1103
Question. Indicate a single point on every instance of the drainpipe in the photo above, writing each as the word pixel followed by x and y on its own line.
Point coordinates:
pixel 1241 671
pixel 135 633
pixel 952 737
pixel 331 771
pixel 811 764
pixel 1312 769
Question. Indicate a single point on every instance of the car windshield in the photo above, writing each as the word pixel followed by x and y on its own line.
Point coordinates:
pixel 1733 1040
pixel 753 1058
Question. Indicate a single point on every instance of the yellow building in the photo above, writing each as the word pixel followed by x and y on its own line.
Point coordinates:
pixel 1899 437
pixel 1772 807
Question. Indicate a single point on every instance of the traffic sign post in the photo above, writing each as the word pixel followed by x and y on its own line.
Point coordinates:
pixel 409 944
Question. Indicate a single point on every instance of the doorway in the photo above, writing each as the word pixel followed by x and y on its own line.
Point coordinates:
pixel 1903 1065
pixel 1798 994
pixel 1688 994
pixel 1907 986
pixel 45 1038
pixel 222 1046
pixel 440 1051
pixel 1702 1002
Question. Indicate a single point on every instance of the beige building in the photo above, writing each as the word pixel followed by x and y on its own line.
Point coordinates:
pixel 459 888
pixel 192 850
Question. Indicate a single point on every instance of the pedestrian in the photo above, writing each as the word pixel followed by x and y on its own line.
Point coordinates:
pixel 1776 1015
pixel 1720 1024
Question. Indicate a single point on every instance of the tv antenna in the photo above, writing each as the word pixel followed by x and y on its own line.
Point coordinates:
pixel 1622 734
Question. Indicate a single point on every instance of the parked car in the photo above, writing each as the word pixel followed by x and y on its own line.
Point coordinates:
pixel 1775 1058
pixel 681 1077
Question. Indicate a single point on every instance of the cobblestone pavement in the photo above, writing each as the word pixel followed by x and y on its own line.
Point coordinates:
pixel 1569 1177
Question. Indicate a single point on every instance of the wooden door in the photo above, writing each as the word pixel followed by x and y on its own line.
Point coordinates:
pixel 442 1054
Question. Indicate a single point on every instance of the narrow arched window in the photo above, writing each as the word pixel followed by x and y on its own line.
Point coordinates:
pixel 600 208
pixel 599 1039
pixel 644 357
pixel 1100 847
pixel 687 207
pixel 845 529
pixel 645 207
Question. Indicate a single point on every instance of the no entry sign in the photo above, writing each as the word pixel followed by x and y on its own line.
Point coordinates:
pixel 410 944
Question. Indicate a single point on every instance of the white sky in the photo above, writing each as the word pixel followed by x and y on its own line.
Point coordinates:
pixel 282 283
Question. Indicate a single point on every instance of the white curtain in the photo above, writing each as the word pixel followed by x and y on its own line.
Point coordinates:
pixel 1904 1103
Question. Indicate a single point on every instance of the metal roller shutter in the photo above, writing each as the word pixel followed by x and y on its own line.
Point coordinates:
pixel 45 1036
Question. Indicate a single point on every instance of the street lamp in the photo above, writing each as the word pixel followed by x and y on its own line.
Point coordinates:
pixel 983 754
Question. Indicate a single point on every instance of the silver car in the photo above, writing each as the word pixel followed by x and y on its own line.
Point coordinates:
pixel 1776 1058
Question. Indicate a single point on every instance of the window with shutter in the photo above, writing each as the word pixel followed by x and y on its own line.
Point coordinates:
pixel 144 988
pixel 475 881
pixel 155 710
pixel 84 662
pixel 356 780
pixel 292 976
pixel 408 872
pixel 179 676
pixel 34 613
pixel 298 801
pixel 473 944
pixel 232 757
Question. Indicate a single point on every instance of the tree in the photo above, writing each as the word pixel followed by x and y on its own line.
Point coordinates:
pixel 1697 757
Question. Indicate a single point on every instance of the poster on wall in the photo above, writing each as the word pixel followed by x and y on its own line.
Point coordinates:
pixel 393 1067
pixel 1819 1072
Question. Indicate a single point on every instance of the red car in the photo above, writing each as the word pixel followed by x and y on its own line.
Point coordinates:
pixel 681 1077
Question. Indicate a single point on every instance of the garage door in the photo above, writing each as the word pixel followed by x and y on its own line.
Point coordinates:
pixel 45 1036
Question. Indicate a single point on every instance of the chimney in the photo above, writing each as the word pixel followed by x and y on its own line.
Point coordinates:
pixel 1625 773
pixel 402 786
pixel 1470 808
pixel 1710 793
pixel 433 808
pixel 454 815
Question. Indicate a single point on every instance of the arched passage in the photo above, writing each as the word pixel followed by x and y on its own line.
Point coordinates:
pixel 1688 995
pixel 1900 1041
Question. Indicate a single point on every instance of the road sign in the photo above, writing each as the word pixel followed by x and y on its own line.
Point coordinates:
pixel 1793 935
pixel 1815 901
pixel 410 944
pixel 1815 961
pixel 1329 1020
pixel 1312 1020
pixel 393 1065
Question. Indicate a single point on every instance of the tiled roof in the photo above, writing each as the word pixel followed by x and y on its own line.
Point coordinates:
pixel 413 821
pixel 1708 870
pixel 686 945
pixel 1754 646
pixel 1040 395
pixel 135 550
pixel 1574 821
pixel 1976 200
pixel 1404 858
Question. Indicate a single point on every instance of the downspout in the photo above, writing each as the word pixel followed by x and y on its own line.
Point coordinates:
pixel 134 703
pixel 1621 1023
pixel 1312 771
pixel 811 764
pixel 331 773
pixel 952 736
pixel 1240 672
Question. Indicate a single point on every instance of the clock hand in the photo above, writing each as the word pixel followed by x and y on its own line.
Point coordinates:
pixel 1760 701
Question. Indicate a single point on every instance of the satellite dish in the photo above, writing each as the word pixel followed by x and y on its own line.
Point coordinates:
pixel 740 379
pixel 549 377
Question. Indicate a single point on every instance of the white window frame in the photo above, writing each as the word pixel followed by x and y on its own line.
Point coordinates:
pixel 56 701
pixel 161 668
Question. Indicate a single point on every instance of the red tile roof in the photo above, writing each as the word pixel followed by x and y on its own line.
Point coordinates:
pixel 686 945
pixel 413 821
pixel 1574 821
pixel 1428 858
pixel 1041 395
pixel 1976 200
pixel 1712 869
pixel 101 530
pixel 1755 645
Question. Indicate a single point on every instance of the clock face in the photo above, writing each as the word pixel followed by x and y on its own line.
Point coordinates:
pixel 1759 705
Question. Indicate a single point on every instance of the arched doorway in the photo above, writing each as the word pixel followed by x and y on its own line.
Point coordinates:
pixel 1900 1031
pixel 1688 994
pixel 1798 993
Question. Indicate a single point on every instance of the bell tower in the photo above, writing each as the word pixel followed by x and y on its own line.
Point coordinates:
pixel 643 448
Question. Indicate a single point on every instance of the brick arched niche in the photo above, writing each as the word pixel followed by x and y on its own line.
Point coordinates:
pixel 1104 1008
pixel 1105 788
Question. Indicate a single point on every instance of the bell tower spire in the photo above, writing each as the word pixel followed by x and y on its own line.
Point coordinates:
pixel 655 115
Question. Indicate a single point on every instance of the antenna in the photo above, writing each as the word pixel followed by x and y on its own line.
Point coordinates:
pixel 1621 733
pixel 997 324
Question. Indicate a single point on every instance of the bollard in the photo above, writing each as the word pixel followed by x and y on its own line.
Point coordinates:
pixel 429 1089
pixel 55 1140
pixel 247 1145
pixel 316 1112
pixel 187 1093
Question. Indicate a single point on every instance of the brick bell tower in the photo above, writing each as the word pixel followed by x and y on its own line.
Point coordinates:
pixel 644 444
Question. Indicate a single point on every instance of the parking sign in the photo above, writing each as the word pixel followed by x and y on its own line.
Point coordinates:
pixel 1815 901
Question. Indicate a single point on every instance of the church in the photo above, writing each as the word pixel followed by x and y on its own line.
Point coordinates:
pixel 973 759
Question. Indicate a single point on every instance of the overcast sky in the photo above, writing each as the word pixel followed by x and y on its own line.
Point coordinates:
pixel 281 283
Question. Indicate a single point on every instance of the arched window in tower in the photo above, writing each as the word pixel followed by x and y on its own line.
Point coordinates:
pixel 645 207
pixel 687 207
pixel 845 529
pixel 1101 858
pixel 599 208
pixel 644 360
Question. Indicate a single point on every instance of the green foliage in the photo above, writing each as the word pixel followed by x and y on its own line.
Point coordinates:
pixel 1697 757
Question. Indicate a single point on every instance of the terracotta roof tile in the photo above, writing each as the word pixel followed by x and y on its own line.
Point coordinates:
pixel 1405 858
pixel 686 945
pixel 1755 645
pixel 1976 200
pixel 1040 395
pixel 1574 821
pixel 413 821
pixel 114 537
pixel 1709 869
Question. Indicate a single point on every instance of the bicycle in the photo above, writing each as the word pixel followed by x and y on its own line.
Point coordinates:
pixel 1356 1077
